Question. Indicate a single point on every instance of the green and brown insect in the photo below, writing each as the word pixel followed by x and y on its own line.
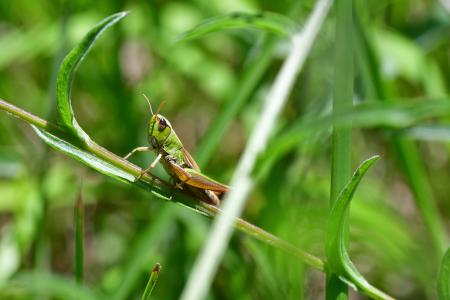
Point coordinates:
pixel 177 161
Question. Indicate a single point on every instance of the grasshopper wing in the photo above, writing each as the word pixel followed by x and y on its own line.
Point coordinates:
pixel 196 179
pixel 190 160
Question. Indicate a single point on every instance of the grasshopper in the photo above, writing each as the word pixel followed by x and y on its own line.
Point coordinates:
pixel 177 161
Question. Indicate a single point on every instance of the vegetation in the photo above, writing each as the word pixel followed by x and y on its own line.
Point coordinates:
pixel 373 87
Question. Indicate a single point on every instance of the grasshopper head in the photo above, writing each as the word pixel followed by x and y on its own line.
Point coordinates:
pixel 159 130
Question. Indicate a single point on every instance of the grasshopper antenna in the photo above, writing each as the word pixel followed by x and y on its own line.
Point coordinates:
pixel 159 106
pixel 149 104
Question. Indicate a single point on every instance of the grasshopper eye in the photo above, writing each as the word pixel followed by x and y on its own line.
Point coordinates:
pixel 162 124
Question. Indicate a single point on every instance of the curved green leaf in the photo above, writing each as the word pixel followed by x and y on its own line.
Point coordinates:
pixel 67 71
pixel 266 21
pixel 443 280
pixel 84 156
pixel 338 260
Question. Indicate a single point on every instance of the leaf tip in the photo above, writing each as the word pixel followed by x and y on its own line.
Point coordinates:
pixel 123 14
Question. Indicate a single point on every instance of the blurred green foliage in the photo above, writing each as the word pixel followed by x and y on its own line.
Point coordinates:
pixel 402 52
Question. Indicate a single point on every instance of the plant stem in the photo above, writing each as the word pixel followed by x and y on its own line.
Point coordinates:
pixel 269 238
pixel 151 282
pixel 342 140
pixel 28 117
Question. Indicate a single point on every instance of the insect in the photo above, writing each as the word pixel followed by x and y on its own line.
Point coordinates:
pixel 177 161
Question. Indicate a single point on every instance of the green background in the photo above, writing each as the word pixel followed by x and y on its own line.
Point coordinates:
pixel 127 230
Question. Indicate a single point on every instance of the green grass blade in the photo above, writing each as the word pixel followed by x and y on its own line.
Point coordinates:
pixel 267 21
pixel 79 239
pixel 341 135
pixel 151 282
pixel 336 250
pixel 67 71
pixel 443 280
pixel 84 156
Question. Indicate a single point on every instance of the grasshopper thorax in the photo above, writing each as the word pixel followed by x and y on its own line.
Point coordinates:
pixel 159 131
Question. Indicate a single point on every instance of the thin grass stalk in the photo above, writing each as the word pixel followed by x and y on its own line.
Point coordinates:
pixel 341 168
pixel 151 282
pixel 79 239
pixel 207 262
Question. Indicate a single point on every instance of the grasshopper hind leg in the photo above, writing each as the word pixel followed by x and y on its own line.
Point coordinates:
pixel 206 196
pixel 215 200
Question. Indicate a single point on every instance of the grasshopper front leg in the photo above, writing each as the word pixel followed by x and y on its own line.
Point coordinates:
pixel 138 149
pixel 151 166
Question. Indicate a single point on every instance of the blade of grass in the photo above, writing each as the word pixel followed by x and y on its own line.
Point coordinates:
pixel 84 156
pixel 268 21
pixel 209 259
pixel 79 238
pixel 443 280
pixel 338 260
pixel 341 136
pixel 151 282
